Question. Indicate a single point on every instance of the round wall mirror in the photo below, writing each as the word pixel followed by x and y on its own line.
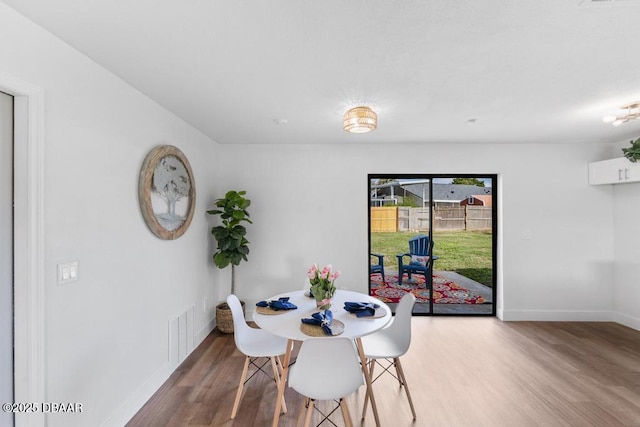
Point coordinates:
pixel 167 192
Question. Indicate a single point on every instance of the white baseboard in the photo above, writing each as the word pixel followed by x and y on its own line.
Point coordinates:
pixel 206 330
pixel 569 316
pixel 626 320
pixel 556 316
pixel 135 402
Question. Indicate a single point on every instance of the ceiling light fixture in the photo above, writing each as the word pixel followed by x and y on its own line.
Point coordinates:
pixel 632 112
pixel 360 120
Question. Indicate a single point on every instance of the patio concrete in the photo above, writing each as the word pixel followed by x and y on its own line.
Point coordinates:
pixel 459 309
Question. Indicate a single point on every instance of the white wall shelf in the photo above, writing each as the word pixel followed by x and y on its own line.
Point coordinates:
pixel 614 171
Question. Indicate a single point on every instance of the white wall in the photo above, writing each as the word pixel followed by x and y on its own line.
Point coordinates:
pixel 106 335
pixel 626 205
pixel 562 273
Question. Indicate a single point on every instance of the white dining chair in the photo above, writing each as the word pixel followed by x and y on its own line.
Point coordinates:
pixel 255 344
pixel 388 345
pixel 326 369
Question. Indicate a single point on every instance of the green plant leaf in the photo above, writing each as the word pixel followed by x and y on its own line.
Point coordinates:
pixel 220 233
pixel 238 215
pixel 230 236
pixel 221 260
pixel 633 153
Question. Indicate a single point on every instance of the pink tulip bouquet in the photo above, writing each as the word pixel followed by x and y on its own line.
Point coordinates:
pixel 322 286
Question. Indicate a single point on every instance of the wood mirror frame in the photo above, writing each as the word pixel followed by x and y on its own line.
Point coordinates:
pixel 166 164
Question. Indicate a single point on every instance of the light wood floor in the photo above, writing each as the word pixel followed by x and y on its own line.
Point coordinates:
pixel 461 371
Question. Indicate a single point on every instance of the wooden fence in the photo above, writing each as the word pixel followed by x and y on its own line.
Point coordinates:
pixel 394 218
pixel 479 218
pixel 384 219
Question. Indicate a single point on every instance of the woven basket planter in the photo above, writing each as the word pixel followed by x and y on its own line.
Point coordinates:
pixel 224 319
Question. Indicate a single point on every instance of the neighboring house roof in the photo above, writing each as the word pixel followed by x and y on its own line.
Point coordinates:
pixel 449 192
pixel 441 192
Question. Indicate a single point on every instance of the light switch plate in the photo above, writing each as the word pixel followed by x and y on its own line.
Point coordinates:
pixel 67 272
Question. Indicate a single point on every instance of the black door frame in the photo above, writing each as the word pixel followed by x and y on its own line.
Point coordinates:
pixel 494 225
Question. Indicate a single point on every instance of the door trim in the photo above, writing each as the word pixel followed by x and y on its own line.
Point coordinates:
pixel 28 238
pixel 496 225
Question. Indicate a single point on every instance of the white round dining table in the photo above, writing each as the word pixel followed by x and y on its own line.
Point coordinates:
pixel 286 324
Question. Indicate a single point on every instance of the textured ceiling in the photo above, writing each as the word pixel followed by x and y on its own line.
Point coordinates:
pixel 434 70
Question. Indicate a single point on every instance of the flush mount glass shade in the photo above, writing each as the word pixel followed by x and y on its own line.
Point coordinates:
pixel 360 120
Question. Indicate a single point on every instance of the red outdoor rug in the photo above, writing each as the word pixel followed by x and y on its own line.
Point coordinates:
pixel 445 291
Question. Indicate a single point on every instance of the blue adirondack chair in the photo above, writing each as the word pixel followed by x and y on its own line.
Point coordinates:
pixel 379 267
pixel 419 259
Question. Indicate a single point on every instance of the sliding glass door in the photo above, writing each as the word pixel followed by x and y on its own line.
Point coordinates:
pixel 434 236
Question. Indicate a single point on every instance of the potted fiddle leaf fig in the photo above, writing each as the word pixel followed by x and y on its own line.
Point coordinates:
pixel 633 153
pixel 232 245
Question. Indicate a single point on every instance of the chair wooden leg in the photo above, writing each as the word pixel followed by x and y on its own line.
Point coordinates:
pixel 283 380
pixel 307 419
pixel 276 376
pixel 394 362
pixel 303 412
pixel 280 367
pixel 400 373
pixel 372 364
pixel 240 387
pixel 348 422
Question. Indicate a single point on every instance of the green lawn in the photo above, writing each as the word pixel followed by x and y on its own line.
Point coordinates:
pixel 466 252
